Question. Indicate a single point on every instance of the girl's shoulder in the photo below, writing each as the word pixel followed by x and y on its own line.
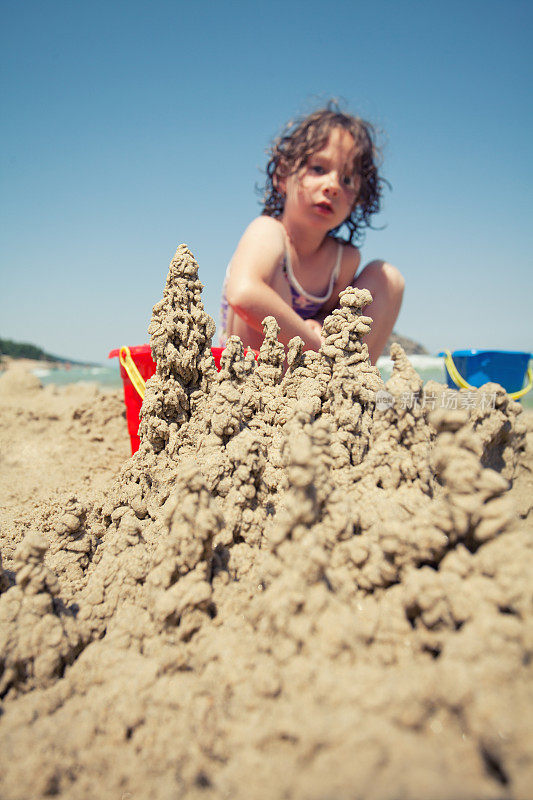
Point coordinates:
pixel 263 237
pixel 266 228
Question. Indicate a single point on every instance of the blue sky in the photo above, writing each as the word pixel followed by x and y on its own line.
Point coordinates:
pixel 131 127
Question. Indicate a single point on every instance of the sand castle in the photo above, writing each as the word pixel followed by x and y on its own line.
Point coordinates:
pixel 288 591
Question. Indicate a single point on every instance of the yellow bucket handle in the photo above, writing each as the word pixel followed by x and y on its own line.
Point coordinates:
pixel 131 370
pixel 458 379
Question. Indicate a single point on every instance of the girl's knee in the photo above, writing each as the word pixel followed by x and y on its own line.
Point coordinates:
pixel 387 276
pixel 395 278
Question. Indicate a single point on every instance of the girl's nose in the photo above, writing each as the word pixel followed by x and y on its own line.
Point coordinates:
pixel 332 185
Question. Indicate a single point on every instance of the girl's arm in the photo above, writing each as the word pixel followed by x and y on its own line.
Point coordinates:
pixel 255 282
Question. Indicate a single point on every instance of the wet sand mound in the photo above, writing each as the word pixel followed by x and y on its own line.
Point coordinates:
pixel 291 589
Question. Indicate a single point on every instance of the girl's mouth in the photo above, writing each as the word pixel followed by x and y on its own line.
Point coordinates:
pixel 326 208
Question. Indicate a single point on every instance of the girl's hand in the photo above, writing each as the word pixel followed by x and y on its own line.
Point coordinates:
pixel 316 339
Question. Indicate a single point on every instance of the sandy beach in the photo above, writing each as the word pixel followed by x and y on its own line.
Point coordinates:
pixel 292 590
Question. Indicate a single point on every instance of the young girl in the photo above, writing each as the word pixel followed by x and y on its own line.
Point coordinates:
pixel 291 262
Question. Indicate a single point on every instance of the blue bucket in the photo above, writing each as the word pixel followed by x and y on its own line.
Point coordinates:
pixel 477 367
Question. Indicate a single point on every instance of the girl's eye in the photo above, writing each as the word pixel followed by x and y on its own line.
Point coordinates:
pixel 317 169
pixel 348 181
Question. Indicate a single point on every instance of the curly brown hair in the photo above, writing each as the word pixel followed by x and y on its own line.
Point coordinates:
pixel 305 136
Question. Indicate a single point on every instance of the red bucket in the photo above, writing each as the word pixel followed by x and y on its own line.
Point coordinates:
pixel 142 356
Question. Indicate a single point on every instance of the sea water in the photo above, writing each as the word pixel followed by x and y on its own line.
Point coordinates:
pixel 108 375
pixel 104 375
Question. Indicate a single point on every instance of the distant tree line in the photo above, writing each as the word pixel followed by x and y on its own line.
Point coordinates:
pixel 25 350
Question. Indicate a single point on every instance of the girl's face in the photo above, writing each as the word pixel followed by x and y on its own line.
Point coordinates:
pixel 324 191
